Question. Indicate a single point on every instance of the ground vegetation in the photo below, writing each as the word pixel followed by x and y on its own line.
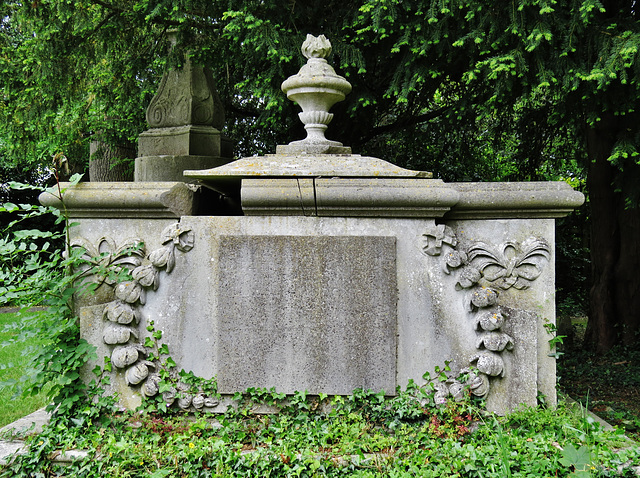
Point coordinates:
pixel 359 435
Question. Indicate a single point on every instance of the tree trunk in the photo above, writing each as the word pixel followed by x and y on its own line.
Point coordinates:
pixel 111 163
pixel 627 271
pixel 614 309
pixel 600 332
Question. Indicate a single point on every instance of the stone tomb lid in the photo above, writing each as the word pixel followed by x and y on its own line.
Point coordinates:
pixel 226 179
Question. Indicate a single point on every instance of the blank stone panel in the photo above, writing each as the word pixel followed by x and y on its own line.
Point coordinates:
pixel 307 313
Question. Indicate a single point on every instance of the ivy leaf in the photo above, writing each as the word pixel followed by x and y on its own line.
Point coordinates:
pixel 160 473
pixel 165 386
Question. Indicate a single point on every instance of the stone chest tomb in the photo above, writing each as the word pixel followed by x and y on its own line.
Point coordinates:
pixel 314 268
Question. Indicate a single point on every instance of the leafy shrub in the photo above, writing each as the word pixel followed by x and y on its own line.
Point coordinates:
pixel 35 273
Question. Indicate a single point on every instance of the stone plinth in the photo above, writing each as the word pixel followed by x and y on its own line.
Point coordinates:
pixel 182 141
pixel 185 116
pixel 170 167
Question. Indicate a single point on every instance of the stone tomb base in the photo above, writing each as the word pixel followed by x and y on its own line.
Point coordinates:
pixel 329 305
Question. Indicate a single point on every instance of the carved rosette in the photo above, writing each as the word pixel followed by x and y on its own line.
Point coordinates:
pixel 122 315
pixel 484 270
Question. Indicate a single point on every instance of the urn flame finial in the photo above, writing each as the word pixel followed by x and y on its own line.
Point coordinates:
pixel 316 88
pixel 316 47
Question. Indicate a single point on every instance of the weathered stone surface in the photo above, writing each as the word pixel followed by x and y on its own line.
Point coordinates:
pixel 279 197
pixel 350 185
pixel 226 179
pixel 125 200
pixel 347 197
pixel 436 315
pixel 279 165
pixel 180 141
pixel 10 449
pixel 229 306
pixel 186 96
pixel 324 147
pixel 383 197
pixel 171 167
pixel 399 197
pixel 535 303
pixel 306 313
pixel 519 385
pixel 514 200
pixel 28 425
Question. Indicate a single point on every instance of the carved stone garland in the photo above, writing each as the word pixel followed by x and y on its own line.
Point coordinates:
pixel 508 265
pixel 122 315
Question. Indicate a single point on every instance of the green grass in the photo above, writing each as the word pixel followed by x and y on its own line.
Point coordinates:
pixel 13 362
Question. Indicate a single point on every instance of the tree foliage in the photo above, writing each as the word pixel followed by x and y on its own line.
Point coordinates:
pixel 470 89
pixel 418 68
pixel 69 70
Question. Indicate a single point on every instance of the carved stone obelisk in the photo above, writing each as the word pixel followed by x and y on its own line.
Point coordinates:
pixel 185 116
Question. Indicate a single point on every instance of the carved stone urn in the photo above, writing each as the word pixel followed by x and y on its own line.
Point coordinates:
pixel 316 88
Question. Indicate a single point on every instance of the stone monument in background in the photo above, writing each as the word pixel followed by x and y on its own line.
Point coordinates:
pixel 185 116
pixel 338 272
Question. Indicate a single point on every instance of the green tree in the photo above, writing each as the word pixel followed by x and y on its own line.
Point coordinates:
pixel 470 89
pixel 70 73
pixel 573 70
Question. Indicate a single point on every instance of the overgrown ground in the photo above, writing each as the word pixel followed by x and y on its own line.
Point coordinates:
pixel 609 385
pixel 361 435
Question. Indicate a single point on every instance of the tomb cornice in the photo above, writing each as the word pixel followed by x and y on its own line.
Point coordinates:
pixel 523 200
pixel 124 200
